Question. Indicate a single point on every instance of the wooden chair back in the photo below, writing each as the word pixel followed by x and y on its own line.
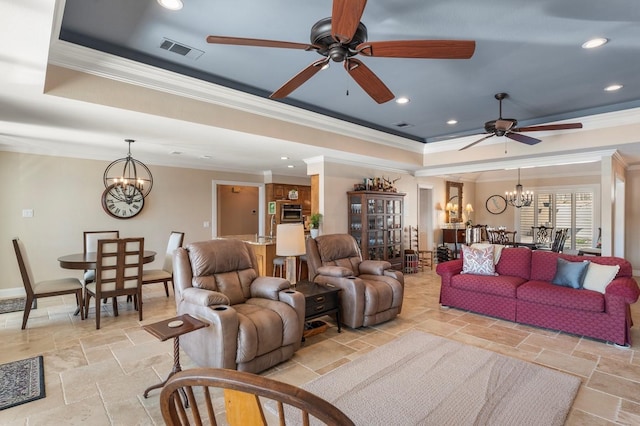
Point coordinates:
pixel 542 235
pixel 500 236
pixel 90 240
pixel 119 265
pixel 559 239
pixel 245 395
pixel 175 240
pixel 24 266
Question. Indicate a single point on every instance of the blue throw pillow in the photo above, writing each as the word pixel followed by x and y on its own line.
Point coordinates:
pixel 570 274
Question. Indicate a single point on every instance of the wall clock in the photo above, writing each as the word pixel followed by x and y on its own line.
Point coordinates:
pixel 122 203
pixel 496 204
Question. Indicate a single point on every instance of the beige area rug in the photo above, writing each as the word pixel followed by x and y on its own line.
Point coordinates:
pixel 421 379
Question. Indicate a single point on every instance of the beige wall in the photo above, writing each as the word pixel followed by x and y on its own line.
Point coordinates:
pixel 65 196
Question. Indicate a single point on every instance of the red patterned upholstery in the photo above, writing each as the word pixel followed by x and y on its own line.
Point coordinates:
pixel 523 293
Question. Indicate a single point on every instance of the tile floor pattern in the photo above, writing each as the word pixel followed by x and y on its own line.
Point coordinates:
pixel 97 377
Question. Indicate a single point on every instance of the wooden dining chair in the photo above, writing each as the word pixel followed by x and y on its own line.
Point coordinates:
pixel 39 289
pixel 244 394
pixel 541 236
pixel 164 275
pixel 118 273
pixel 90 244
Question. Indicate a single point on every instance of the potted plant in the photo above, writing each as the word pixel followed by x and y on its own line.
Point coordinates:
pixel 314 223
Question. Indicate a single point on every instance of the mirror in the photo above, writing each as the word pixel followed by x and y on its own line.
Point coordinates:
pixel 454 203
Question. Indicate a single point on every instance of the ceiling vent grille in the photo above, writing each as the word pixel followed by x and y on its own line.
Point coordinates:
pixel 180 49
pixel 403 125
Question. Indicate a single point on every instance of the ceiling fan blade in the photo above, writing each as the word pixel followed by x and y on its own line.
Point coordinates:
pixel 369 82
pixel 564 126
pixel 345 18
pixel 504 124
pixel 238 41
pixel 425 49
pixel 522 138
pixel 476 142
pixel 299 79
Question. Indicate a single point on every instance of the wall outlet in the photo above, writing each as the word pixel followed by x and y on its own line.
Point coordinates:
pixel 27 213
pixel 206 224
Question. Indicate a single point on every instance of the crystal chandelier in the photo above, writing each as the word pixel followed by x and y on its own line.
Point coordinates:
pixel 127 177
pixel 519 198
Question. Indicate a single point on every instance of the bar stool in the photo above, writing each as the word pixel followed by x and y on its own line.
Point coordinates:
pixel 278 262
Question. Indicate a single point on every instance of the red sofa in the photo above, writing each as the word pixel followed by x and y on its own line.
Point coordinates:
pixel 522 292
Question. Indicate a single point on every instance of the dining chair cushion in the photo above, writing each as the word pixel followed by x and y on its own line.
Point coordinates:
pixel 155 275
pixel 52 286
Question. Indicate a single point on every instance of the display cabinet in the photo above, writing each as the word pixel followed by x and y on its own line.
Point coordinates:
pixel 376 222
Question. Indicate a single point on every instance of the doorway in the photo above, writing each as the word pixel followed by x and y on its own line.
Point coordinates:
pixel 425 218
pixel 237 208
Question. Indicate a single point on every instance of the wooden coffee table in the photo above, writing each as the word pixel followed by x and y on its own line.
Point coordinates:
pixel 162 331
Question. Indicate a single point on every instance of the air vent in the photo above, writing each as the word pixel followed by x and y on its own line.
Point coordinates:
pixel 403 125
pixel 180 49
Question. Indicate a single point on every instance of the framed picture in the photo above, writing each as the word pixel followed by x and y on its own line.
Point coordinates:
pixel 272 207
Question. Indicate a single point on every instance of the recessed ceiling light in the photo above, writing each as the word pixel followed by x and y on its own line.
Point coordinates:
pixel 284 158
pixel 291 166
pixel 613 87
pixel 171 4
pixel 403 100
pixel 452 122
pixel 594 42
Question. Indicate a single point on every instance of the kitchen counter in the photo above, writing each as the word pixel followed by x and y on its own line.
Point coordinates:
pixel 251 239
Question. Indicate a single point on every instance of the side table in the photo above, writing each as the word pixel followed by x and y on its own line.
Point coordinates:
pixel 162 331
pixel 320 300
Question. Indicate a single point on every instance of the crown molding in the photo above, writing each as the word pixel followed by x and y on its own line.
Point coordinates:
pixel 89 61
pixel 550 159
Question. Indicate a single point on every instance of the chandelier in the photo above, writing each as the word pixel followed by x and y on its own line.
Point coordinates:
pixel 127 178
pixel 519 198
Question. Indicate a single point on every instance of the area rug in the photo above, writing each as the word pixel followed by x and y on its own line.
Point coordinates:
pixel 421 379
pixel 22 381
pixel 12 305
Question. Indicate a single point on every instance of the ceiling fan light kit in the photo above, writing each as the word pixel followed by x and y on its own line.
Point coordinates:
pixel 342 36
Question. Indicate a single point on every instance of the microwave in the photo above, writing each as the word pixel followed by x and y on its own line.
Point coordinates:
pixel 291 213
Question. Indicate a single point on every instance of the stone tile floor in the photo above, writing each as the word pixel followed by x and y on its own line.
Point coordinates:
pixel 97 377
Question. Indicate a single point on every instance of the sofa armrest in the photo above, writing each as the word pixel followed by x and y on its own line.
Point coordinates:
pixel 374 267
pixel 625 287
pixel 269 287
pixel 448 269
pixel 203 297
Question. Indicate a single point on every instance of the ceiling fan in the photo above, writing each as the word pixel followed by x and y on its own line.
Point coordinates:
pixel 507 127
pixel 341 37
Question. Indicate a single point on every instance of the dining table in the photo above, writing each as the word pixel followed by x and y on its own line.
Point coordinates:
pixel 88 261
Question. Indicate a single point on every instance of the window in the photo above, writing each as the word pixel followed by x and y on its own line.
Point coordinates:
pixel 574 210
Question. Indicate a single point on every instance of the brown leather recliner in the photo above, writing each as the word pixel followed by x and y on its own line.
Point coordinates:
pixel 255 322
pixel 371 293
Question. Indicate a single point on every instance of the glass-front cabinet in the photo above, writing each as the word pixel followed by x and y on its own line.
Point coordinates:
pixel 375 221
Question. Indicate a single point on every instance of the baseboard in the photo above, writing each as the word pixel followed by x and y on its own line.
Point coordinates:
pixel 7 293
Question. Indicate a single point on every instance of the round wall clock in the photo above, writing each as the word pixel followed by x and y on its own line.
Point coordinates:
pixel 496 204
pixel 122 203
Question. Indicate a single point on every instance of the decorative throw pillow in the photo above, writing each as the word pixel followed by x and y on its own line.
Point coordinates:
pixel 599 276
pixel 478 261
pixel 497 250
pixel 570 274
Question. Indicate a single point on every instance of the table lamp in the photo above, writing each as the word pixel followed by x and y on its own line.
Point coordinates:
pixel 290 243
